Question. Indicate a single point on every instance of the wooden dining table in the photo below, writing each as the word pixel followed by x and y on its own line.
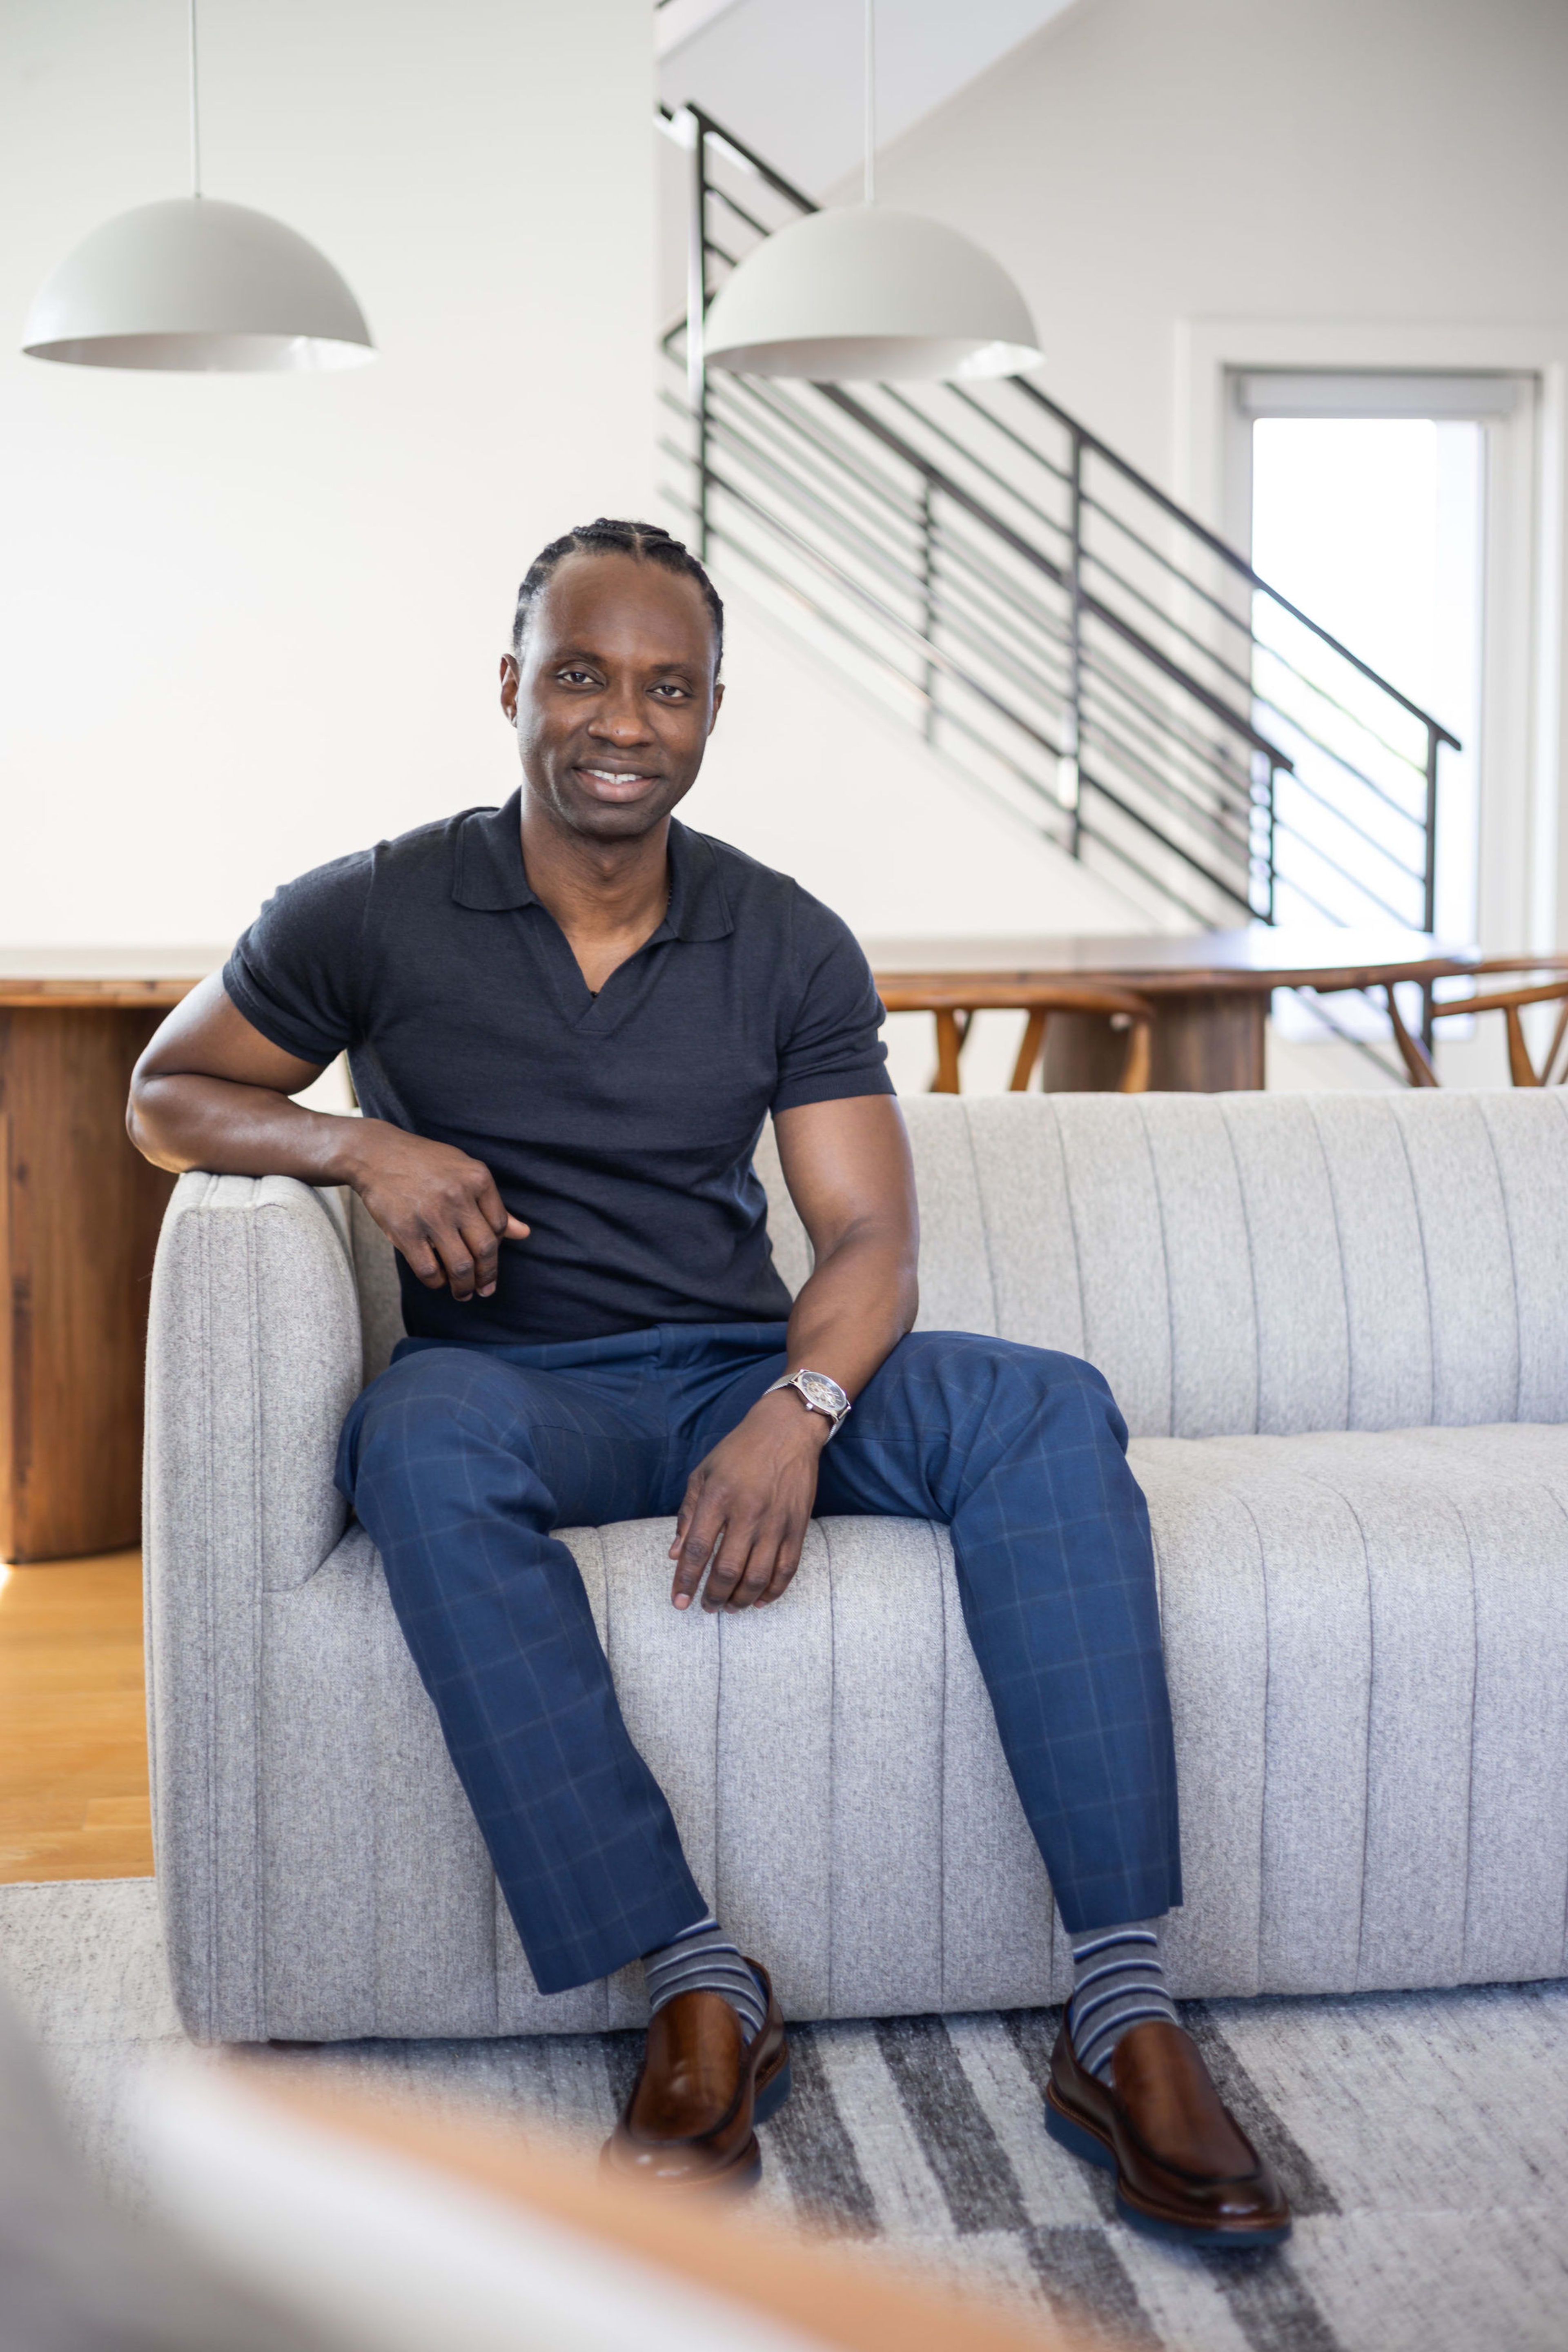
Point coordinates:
pixel 79 1212
pixel 1209 990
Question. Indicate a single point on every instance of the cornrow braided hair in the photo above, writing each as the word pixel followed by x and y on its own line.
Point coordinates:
pixel 645 540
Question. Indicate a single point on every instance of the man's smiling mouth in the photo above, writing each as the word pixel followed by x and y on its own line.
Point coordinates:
pixel 618 781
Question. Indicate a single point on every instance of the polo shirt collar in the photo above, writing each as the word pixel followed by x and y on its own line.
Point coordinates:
pixel 491 876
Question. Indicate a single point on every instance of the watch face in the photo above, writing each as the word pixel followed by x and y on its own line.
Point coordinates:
pixel 826 1394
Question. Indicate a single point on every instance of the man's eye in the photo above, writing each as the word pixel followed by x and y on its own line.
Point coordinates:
pixel 671 691
pixel 575 677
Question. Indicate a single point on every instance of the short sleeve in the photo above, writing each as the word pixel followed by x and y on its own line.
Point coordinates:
pixel 833 1048
pixel 294 973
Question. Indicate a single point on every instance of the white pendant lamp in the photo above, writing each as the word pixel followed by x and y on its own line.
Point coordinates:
pixel 197 285
pixel 860 294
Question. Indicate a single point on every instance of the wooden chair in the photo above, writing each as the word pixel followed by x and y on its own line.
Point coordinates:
pixel 953 1001
pixel 1510 1003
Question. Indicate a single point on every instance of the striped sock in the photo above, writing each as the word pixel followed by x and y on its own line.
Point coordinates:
pixel 1119 1980
pixel 702 1960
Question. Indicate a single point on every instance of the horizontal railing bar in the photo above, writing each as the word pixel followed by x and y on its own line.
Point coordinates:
pixel 946 717
pixel 1042 563
pixel 1037 614
pixel 1183 783
pixel 732 204
pixel 1316 849
pixel 1047 637
pixel 792 485
pixel 1228 554
pixel 957 392
pixel 764 462
pixel 1172 670
pixel 1405 759
pixel 1254 641
pixel 1219 821
pixel 836 455
pixel 708 129
pixel 1414 873
pixel 1160 884
pixel 853 588
pixel 1294 725
pixel 869 552
pixel 1124 694
pixel 832 620
pixel 1062 529
pixel 1214 881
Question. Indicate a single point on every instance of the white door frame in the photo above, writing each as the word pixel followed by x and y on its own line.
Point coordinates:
pixel 1525 892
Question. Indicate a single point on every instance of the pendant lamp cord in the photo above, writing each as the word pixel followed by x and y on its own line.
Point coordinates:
pixel 195 114
pixel 870 99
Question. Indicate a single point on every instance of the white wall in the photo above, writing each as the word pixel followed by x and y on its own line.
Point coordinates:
pixel 248 623
pixel 1141 162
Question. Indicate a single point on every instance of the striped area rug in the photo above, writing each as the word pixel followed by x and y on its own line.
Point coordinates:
pixel 1423 2138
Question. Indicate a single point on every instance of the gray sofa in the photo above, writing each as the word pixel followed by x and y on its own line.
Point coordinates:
pixel 1338 1327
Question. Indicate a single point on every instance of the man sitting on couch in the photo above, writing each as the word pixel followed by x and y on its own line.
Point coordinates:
pixel 567 1019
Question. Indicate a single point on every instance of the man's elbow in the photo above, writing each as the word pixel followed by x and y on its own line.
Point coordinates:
pixel 144 1125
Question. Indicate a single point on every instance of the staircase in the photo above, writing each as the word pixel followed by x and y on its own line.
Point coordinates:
pixel 1052 624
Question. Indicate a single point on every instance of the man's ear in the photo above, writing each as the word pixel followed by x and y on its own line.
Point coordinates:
pixel 718 698
pixel 508 686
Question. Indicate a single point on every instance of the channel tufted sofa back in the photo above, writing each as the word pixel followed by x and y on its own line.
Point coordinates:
pixel 1254 1264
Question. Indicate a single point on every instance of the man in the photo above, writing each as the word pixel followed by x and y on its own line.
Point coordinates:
pixel 567 1019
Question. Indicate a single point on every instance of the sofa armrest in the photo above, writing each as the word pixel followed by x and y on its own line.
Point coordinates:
pixel 254 1355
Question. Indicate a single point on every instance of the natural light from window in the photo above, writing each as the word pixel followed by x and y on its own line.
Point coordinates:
pixel 1373 526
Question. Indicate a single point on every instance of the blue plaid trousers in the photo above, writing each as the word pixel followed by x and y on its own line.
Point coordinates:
pixel 460 1461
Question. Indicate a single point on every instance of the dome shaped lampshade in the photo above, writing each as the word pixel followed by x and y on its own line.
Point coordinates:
pixel 197 284
pixel 861 294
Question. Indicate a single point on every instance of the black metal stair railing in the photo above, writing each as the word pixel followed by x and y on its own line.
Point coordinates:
pixel 1048 620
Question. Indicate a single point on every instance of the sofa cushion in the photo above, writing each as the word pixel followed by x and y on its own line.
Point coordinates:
pixel 1367 1637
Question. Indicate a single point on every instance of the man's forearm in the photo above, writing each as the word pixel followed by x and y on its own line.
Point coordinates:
pixel 855 1309
pixel 180 1121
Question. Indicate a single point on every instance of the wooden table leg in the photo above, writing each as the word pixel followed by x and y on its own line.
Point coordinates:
pixel 1209 1041
pixel 1084 1054
pixel 79 1212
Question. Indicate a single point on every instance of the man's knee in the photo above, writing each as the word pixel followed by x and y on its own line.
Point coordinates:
pixel 432 1404
pixel 969 1360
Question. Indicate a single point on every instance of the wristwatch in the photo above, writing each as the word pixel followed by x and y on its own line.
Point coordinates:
pixel 818 1394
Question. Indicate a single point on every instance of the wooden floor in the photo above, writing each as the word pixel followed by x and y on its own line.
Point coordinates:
pixel 73 1733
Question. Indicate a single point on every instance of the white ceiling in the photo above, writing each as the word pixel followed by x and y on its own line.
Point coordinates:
pixel 785 74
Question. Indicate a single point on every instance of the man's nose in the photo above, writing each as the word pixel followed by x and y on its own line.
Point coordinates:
pixel 622 715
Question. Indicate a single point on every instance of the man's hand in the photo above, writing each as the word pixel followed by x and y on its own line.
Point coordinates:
pixel 751 1498
pixel 211 1092
pixel 435 1205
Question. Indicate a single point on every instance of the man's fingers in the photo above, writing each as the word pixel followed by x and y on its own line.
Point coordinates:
pixel 784 1565
pixel 425 1265
pixel 483 1250
pixel 490 1205
pixel 457 1259
pixel 500 1220
pixel 683 1516
pixel 726 1574
pixel 693 1548
pixel 757 1578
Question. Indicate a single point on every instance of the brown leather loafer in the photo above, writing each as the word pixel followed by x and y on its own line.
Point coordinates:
pixel 1184 2168
pixel 691 2122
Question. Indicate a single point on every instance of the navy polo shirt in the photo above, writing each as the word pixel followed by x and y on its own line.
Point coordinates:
pixel 619 1127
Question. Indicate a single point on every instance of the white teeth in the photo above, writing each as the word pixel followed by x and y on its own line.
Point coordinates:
pixel 615 776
